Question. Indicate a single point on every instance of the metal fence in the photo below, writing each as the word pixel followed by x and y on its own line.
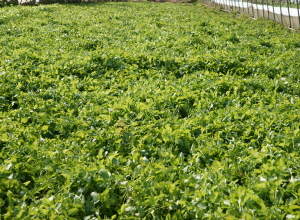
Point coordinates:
pixel 285 12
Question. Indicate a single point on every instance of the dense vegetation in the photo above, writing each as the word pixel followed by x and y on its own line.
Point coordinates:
pixel 147 111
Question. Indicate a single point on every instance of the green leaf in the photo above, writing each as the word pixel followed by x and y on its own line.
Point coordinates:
pixel 45 127
pixel 24 120
pixel 80 134
pixel 73 211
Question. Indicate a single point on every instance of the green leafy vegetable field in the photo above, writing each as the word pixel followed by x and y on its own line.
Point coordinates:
pixel 147 111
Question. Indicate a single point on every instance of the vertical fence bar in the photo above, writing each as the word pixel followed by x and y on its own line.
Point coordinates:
pixel 248 7
pixel 252 8
pixel 298 12
pixel 255 3
pixel 268 9
pixel 281 12
pixel 273 10
pixel 263 8
pixel 242 6
pixel 226 1
pixel 234 5
pixel 257 10
pixel 288 6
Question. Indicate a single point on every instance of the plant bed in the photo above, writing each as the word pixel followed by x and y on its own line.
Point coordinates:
pixel 147 111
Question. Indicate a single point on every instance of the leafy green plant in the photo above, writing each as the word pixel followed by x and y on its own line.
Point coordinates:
pixel 141 111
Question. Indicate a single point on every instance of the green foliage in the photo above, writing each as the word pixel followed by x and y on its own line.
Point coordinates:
pixel 147 111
